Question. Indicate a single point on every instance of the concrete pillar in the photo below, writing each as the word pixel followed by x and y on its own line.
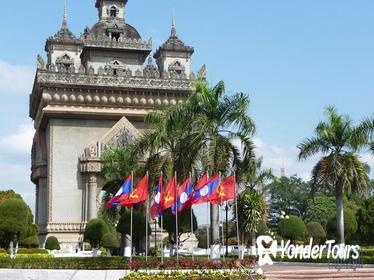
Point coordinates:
pixel 43 202
pixel 37 204
pixel 92 196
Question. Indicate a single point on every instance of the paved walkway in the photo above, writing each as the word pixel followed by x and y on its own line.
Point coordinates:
pixel 315 272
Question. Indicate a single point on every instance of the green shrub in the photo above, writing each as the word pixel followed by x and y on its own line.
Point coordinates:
pixel 293 228
pixel 154 252
pixel 350 225
pixel 316 231
pixel 52 243
pixel 30 242
pixel 95 230
pixel 232 241
pixel 32 251
pixel 365 219
pixel 3 251
pixel 110 241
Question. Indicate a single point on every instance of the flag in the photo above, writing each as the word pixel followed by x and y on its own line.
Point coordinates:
pixel 170 195
pixel 123 192
pixel 203 181
pixel 139 194
pixel 225 191
pixel 202 194
pixel 156 207
pixel 184 196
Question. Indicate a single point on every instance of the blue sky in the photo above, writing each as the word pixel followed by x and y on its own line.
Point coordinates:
pixel 292 57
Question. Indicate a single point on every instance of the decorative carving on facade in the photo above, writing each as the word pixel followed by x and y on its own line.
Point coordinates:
pixel 120 135
pixel 63 227
pixel 40 63
pixel 202 74
pixel 124 43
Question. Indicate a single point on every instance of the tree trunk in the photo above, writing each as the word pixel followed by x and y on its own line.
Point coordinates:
pixel 214 232
pixel 253 243
pixel 340 214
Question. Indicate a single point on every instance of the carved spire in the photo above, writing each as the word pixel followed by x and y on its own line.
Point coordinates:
pixel 65 20
pixel 173 28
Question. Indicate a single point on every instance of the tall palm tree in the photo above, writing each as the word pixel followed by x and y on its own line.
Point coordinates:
pixel 340 167
pixel 218 119
pixel 367 127
pixel 200 134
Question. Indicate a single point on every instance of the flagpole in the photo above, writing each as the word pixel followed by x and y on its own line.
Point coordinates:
pixel 237 219
pixel 131 218
pixel 208 226
pixel 207 230
pixel 162 226
pixel 176 215
pixel 146 226
pixel 193 256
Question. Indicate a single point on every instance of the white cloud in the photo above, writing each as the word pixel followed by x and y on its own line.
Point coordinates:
pixel 20 142
pixel 15 79
pixel 15 163
pixel 276 157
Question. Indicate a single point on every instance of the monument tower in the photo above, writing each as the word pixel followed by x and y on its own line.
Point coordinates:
pixel 92 92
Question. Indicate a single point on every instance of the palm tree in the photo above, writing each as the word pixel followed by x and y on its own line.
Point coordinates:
pixel 340 168
pixel 251 212
pixel 218 120
pixel 253 176
pixel 367 127
pixel 199 135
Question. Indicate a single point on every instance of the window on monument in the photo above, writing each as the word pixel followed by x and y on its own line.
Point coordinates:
pixel 115 72
pixel 113 12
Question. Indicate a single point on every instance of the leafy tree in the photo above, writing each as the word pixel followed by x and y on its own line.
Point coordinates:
pixel 52 243
pixel 289 195
pixel 292 228
pixel 30 228
pixel 30 242
pixel 184 224
pixel 14 221
pixel 110 241
pixel 10 194
pixel 340 169
pixel 316 231
pixel 365 219
pixel 94 232
pixel 350 225
pixel 251 212
pixel 138 230
pixel 321 209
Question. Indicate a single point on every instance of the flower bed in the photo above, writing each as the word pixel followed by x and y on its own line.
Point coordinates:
pixel 115 263
pixel 190 276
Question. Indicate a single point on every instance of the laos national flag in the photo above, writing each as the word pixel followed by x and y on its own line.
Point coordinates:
pixel 202 194
pixel 156 209
pixel 184 196
pixel 122 193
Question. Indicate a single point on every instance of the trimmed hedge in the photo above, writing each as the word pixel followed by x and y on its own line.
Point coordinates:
pixel 31 251
pixel 3 251
pixel 52 243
